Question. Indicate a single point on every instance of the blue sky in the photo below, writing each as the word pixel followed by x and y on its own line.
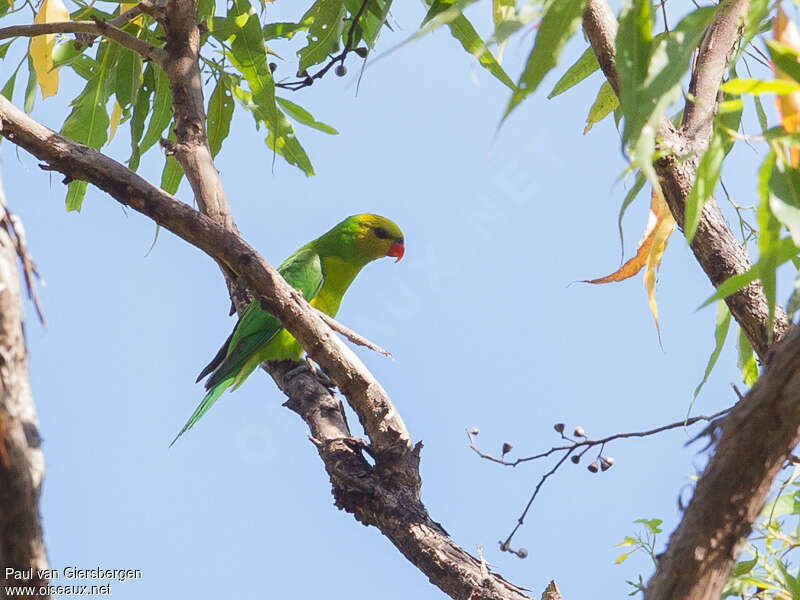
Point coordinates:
pixel 484 328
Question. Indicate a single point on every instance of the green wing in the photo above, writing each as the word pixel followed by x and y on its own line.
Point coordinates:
pixel 255 328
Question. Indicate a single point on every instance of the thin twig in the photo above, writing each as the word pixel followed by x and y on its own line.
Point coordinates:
pixel 340 58
pixel 584 445
pixel 123 38
pixel 351 335
pixel 591 443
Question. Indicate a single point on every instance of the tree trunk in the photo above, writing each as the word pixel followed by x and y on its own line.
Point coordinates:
pixel 22 551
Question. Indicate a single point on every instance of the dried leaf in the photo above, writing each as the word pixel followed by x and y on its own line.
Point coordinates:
pixel 649 253
pixel 787 105
pixel 41 49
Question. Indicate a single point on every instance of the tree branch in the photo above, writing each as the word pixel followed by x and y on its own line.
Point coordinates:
pixel 714 244
pixel 763 428
pixel 385 495
pixel 191 150
pixel 351 335
pixel 95 28
pixel 21 459
pixel 757 437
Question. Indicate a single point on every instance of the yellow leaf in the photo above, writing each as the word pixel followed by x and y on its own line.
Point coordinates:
pixel 660 225
pixel 127 6
pixel 788 106
pixel 116 117
pixel 41 48
pixel 622 557
pixel 665 224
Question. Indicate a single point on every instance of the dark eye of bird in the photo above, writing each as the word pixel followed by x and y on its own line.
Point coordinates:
pixel 382 233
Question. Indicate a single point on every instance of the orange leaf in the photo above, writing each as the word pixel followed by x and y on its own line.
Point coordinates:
pixel 660 225
pixel 788 106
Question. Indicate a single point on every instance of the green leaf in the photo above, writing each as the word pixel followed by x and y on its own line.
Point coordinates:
pixel 785 58
pixel 729 115
pixel 785 250
pixel 788 216
pixel 173 173
pixel 205 8
pixel 755 14
pixel 652 525
pixel 283 145
pixel 88 122
pixel 8 88
pixel 464 32
pixel 75 193
pixel 744 567
pixel 161 113
pixel 580 70
pixel 653 68
pixel 220 113
pixel 301 115
pixel 634 49
pixel 793 304
pixel 83 66
pixel 746 360
pixel 282 30
pixel 249 56
pixel 759 86
pixel 705 181
pixel 720 333
pixel 768 238
pixel 605 103
pixel 786 504
pixel 325 21
pixel 789 580
pixel 559 22
pixel 785 184
pixel 4 49
pixel 762 116
pixel 141 109
pixel 65 53
pixel 129 77
pixel 30 88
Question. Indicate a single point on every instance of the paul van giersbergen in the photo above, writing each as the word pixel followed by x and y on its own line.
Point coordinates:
pixel 73 573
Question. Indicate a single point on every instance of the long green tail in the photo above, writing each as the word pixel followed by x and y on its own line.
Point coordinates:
pixel 207 403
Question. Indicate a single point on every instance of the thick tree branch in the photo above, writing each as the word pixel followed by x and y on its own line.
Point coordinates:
pixel 385 495
pixel 757 437
pixel 764 427
pixel 714 244
pixel 191 150
pixel 713 54
pixel 95 28
pixel 21 459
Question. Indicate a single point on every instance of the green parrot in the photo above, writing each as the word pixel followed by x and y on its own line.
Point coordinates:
pixel 322 271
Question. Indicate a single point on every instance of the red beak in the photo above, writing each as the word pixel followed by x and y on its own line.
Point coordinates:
pixel 396 250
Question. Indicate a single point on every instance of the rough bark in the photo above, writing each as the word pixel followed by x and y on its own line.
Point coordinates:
pixel 714 245
pixel 763 428
pixel 757 437
pixel 21 460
